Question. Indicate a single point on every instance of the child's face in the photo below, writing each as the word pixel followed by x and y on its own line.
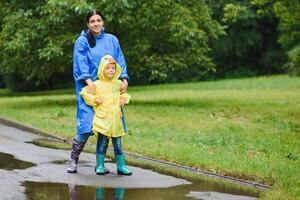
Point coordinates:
pixel 109 71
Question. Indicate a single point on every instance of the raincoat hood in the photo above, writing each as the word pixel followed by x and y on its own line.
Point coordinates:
pixel 107 59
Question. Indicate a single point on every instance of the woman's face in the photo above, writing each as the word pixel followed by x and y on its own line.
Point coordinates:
pixel 95 24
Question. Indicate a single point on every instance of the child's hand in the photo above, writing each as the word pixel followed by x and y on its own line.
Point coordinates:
pixel 98 100
pixel 122 102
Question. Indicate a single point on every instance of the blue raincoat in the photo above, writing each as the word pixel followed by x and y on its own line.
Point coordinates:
pixel 85 65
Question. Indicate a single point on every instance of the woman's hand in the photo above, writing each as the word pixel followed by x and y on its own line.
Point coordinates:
pixel 122 102
pixel 124 86
pixel 91 88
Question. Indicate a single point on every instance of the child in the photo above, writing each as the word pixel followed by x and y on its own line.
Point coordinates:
pixel 107 123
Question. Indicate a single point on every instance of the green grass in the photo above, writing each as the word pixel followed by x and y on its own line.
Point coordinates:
pixel 246 128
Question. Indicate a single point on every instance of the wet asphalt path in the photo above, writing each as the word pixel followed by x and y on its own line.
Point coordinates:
pixel 14 141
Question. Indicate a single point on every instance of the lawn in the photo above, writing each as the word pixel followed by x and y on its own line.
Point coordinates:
pixel 247 128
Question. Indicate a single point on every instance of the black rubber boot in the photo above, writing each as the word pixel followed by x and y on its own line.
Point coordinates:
pixel 77 148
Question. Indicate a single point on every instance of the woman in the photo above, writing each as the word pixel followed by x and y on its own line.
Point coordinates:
pixel 89 48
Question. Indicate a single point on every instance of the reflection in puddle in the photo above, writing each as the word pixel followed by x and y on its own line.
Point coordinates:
pixel 43 191
pixel 100 194
pixel 8 162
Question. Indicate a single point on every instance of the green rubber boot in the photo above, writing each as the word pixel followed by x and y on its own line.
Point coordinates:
pixel 100 169
pixel 100 193
pixel 121 167
pixel 119 193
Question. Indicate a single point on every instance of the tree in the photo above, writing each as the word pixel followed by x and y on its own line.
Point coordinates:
pixel 2 85
pixel 174 47
pixel 38 37
pixel 287 13
pixel 250 46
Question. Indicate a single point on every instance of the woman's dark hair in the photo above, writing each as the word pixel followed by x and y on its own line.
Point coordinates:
pixel 90 36
pixel 91 13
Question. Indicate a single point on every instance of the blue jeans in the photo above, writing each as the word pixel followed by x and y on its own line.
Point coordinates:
pixel 103 141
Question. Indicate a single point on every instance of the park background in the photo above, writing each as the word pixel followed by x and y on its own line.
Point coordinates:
pixel 214 84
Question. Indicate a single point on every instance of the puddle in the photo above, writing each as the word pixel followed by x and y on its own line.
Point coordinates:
pixel 204 191
pixel 46 190
pixel 9 162
pixel 200 190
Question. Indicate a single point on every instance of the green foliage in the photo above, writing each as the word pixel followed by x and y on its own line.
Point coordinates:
pixel 163 41
pixel 287 12
pixel 158 48
pixel 294 57
pixel 232 12
pixel 38 37
pixel 37 40
pixel 250 47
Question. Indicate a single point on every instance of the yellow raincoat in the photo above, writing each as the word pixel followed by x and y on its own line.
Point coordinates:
pixel 108 117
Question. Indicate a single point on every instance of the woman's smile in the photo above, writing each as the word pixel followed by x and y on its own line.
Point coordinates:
pixel 95 24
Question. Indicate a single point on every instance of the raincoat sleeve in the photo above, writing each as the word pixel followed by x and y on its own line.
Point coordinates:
pixel 126 96
pixel 88 98
pixel 81 65
pixel 121 59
